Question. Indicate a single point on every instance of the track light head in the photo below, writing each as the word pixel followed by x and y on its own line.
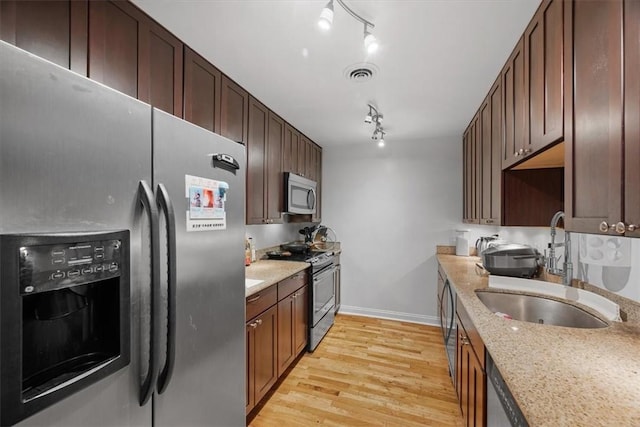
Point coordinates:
pixel 326 17
pixel 370 41
pixel 368 118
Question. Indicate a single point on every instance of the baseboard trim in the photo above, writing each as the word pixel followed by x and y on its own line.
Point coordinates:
pixel 390 315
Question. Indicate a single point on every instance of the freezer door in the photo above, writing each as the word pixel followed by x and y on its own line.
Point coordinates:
pixel 207 386
pixel 71 155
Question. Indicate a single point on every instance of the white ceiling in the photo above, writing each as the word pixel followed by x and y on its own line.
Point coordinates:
pixel 436 62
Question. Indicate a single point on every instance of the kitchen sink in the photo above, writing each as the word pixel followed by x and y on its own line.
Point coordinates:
pixel 536 309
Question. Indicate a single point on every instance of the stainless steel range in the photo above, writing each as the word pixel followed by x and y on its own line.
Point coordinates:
pixel 322 291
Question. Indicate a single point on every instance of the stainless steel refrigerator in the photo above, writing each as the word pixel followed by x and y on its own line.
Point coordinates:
pixel 76 156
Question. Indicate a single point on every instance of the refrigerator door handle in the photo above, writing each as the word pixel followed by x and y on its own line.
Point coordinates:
pixel 145 196
pixel 164 202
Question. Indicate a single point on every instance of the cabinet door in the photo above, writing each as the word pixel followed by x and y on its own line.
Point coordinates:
pixel 202 86
pixel 54 30
pixel 304 146
pixel 594 113
pixel 632 115
pixel 113 45
pixel 250 374
pixel 234 111
pixel 466 183
pixel 317 176
pixel 514 107
pixel 275 180
pixel 290 149
pixel 470 382
pixel 286 321
pixel 478 168
pixel 266 350
pixel 543 68
pixel 256 150
pixel 160 68
pixel 473 171
pixel 495 100
pixel 300 320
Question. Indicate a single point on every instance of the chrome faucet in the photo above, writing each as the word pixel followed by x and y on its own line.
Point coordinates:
pixel 567 266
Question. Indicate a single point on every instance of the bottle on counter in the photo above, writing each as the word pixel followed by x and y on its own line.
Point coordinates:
pixel 247 253
pixel 252 247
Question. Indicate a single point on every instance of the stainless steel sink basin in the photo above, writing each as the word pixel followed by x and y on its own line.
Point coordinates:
pixel 530 308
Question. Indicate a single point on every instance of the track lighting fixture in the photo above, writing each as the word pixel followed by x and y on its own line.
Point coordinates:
pixel 326 21
pixel 370 41
pixel 373 116
pixel 326 17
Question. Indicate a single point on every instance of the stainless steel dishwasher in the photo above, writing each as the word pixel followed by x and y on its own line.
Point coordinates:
pixel 502 409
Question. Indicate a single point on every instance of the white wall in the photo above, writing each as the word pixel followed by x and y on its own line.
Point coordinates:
pixel 390 207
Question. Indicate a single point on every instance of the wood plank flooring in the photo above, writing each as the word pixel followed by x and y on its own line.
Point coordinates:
pixel 367 372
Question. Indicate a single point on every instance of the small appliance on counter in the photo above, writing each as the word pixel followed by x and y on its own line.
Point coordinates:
pixel 462 243
pixel 511 260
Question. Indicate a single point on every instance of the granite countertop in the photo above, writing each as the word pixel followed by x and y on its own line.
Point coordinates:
pixel 271 272
pixel 558 376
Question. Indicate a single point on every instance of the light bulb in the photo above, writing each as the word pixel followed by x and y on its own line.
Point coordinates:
pixel 381 143
pixel 370 42
pixel 326 17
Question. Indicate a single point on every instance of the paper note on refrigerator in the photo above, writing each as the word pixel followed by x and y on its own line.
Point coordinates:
pixel 206 201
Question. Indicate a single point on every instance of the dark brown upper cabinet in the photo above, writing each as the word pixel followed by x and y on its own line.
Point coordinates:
pixel 632 118
pixel 234 111
pixel 54 30
pixel 160 68
pixel 514 103
pixel 113 45
pixel 544 47
pixel 273 168
pixel 130 52
pixel 256 160
pixel 594 149
pixel 491 122
pixel 472 147
pixel 202 91
pixel 290 149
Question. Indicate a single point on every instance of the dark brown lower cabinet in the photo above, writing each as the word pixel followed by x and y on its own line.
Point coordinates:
pixel 292 327
pixel 471 378
pixel 277 332
pixel 262 347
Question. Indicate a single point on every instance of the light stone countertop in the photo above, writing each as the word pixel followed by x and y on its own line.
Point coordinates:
pixel 558 376
pixel 271 272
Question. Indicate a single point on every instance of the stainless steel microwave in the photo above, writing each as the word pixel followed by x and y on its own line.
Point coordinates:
pixel 300 194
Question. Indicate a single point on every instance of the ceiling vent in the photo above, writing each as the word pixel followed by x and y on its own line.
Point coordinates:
pixel 361 72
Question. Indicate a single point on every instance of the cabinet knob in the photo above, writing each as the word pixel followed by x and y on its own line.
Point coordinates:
pixel 464 340
pixel 253 325
pixel 621 227
pixel 527 151
pixel 604 226
pixel 632 227
pixel 259 322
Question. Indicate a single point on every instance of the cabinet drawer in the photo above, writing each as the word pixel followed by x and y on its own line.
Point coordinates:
pixel 260 301
pixel 291 284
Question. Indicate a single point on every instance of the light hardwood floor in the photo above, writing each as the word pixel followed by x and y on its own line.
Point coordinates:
pixel 367 372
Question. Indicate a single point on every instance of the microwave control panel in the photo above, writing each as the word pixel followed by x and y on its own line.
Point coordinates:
pixel 48 267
